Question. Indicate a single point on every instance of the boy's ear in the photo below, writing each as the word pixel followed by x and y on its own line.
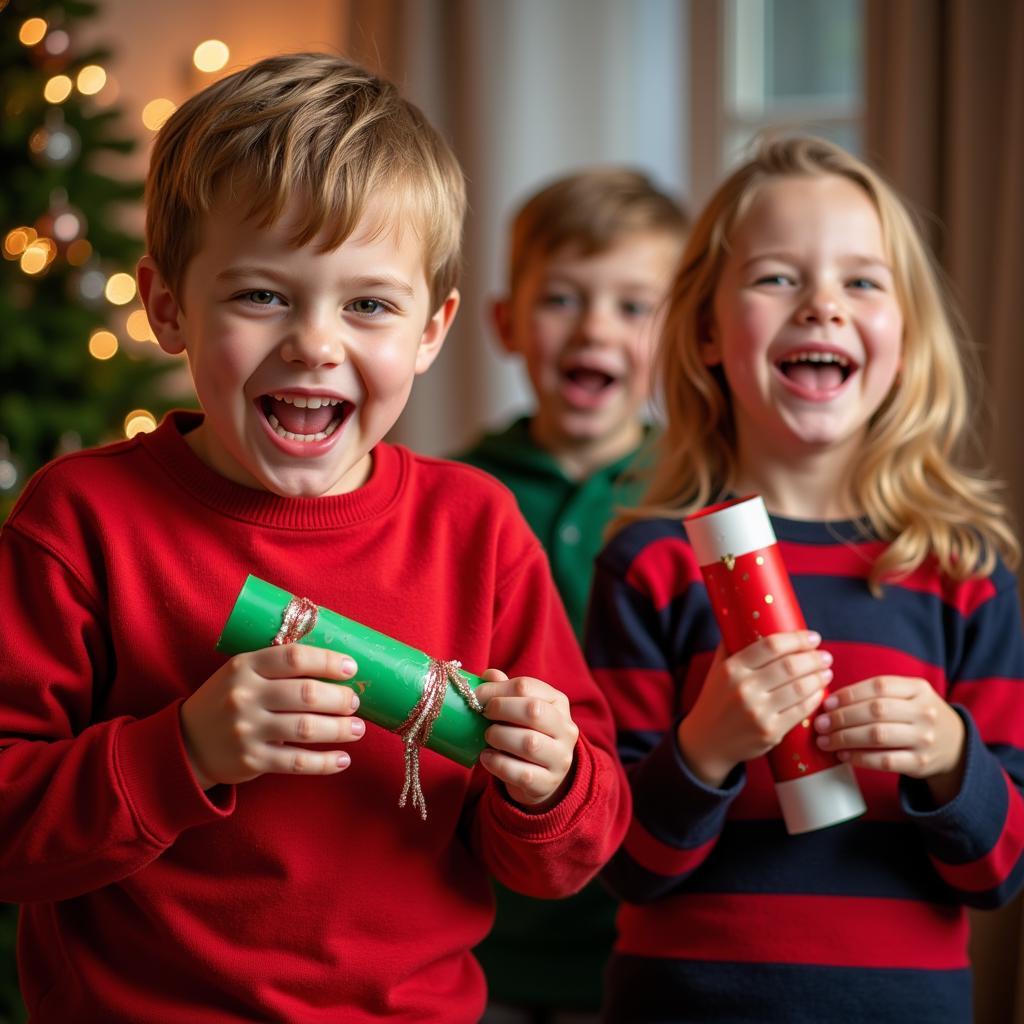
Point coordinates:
pixel 436 331
pixel 162 307
pixel 501 321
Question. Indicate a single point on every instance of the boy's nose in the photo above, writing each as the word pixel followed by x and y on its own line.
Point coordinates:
pixel 596 324
pixel 314 348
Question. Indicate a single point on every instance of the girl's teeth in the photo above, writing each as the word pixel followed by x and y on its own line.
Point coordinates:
pixel 319 436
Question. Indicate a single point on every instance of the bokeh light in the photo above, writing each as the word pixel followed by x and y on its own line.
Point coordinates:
pixel 138 327
pixel 211 55
pixel 32 31
pixel 155 112
pixel 79 252
pixel 120 289
pixel 38 256
pixel 102 344
pixel 91 79
pixel 139 421
pixel 57 89
pixel 17 241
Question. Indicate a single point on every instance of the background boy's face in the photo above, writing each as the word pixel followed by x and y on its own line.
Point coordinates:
pixel 302 360
pixel 586 327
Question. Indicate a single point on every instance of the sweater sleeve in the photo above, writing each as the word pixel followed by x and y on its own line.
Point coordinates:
pixel 976 841
pixel 84 802
pixel 555 852
pixel 649 640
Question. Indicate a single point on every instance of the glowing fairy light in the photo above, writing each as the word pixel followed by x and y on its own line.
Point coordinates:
pixel 211 55
pixel 139 421
pixel 155 112
pixel 38 256
pixel 102 344
pixel 17 241
pixel 57 89
pixel 79 252
pixel 138 327
pixel 32 31
pixel 120 289
pixel 91 79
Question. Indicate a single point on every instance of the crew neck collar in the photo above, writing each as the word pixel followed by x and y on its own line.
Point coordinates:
pixel 167 445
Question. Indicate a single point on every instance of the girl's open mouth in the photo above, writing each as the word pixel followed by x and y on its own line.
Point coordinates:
pixel 816 372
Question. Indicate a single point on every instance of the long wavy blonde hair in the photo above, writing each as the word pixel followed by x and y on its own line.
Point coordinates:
pixel 910 478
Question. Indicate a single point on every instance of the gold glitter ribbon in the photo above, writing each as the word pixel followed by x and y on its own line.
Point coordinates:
pixel 415 730
pixel 299 619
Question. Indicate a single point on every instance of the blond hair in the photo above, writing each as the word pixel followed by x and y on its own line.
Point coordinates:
pixel 909 478
pixel 589 211
pixel 313 126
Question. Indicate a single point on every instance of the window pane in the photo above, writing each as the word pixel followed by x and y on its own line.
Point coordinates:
pixel 812 48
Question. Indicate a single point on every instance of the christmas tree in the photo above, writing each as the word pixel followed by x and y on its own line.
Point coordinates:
pixel 76 355
pixel 76 360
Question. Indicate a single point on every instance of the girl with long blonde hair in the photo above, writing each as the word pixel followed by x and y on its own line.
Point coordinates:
pixel 808 356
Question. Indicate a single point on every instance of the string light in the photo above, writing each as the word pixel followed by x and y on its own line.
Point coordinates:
pixel 211 55
pixel 155 112
pixel 138 326
pixel 139 421
pixel 79 252
pixel 102 344
pixel 57 89
pixel 91 79
pixel 38 256
pixel 120 289
pixel 17 241
pixel 56 42
pixel 32 31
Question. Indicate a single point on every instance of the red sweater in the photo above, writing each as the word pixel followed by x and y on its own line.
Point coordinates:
pixel 286 899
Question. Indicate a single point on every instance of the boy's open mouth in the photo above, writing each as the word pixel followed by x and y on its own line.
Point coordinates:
pixel 592 381
pixel 304 417
pixel 816 371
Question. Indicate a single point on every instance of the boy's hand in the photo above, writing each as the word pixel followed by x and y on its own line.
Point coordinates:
pixel 750 700
pixel 252 715
pixel 532 743
pixel 896 724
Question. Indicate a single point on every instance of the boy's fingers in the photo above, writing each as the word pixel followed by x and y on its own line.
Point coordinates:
pixel 287 760
pixel 298 660
pixel 312 695
pixel 308 728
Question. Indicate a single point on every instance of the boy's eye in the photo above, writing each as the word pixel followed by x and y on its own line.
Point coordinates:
pixel 260 297
pixel 367 307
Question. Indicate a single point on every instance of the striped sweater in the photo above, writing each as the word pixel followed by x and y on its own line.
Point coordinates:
pixel 728 918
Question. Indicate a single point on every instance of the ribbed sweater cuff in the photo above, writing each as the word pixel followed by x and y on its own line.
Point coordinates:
pixel 153 769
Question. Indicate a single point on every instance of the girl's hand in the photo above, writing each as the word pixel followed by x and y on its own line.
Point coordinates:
pixel 532 741
pixel 896 724
pixel 254 714
pixel 750 700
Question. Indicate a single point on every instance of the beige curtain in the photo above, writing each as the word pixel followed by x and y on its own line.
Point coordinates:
pixel 945 122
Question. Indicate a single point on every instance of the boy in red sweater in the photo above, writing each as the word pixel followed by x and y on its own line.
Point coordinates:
pixel 192 839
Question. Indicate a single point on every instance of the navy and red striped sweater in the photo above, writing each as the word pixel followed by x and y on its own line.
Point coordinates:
pixel 727 917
